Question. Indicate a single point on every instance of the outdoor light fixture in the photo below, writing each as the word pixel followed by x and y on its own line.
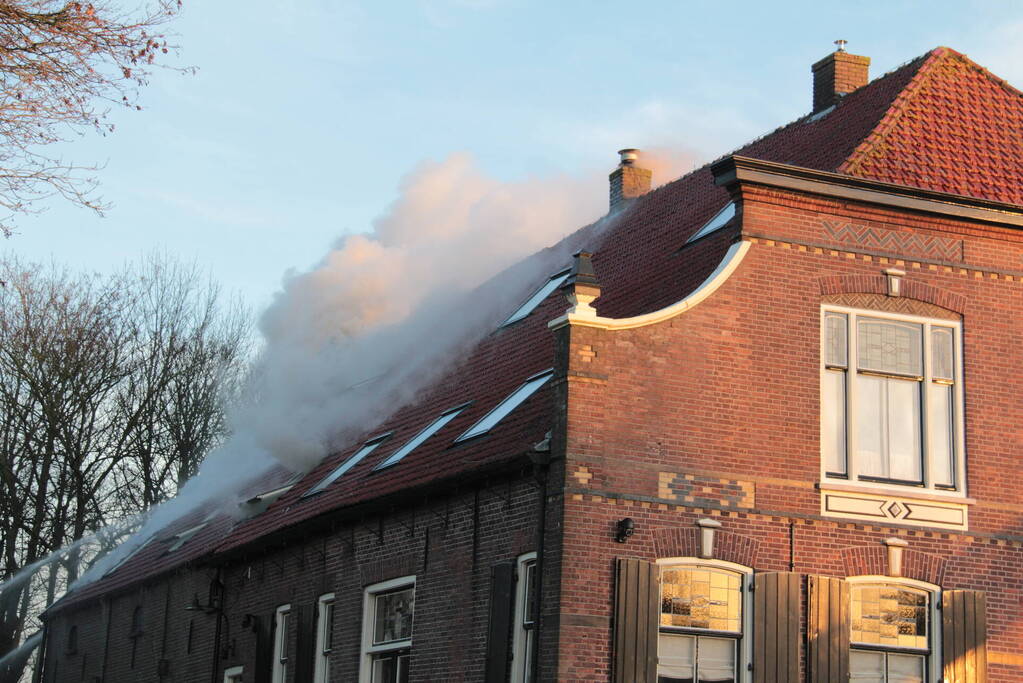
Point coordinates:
pixel 624 528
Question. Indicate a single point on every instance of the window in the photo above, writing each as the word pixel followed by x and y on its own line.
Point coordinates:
pixel 891 400
pixel 517 397
pixel 718 221
pixel 890 630
pixel 71 647
pixel 387 631
pixel 324 637
pixel 280 662
pixel 234 675
pixel 182 538
pixel 136 632
pixel 701 622
pixel 524 636
pixel 539 295
pixel 348 464
pixel 422 436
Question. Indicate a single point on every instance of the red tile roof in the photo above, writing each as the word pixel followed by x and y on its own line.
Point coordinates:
pixel 938 122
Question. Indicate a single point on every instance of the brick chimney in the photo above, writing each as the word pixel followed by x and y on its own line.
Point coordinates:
pixel 836 75
pixel 628 180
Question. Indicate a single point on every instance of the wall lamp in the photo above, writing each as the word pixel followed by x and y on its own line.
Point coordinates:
pixel 624 528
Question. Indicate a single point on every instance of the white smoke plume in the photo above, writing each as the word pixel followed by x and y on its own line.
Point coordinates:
pixel 386 312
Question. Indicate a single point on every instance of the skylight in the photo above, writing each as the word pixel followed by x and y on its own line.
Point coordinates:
pixel 183 537
pixel 487 422
pixel 127 556
pixel 716 223
pixel 348 464
pixel 539 295
pixel 422 436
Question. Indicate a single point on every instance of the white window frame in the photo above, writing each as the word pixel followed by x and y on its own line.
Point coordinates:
pixel 520 668
pixel 324 630
pixel 744 649
pixel 716 222
pixel 234 674
pixel 958 423
pixel 281 638
pixel 350 462
pixel 933 659
pixel 538 296
pixel 503 409
pixel 369 622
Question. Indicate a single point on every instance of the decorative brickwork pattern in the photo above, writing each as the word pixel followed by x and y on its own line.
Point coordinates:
pixel 873 560
pixel 911 289
pixel 690 488
pixel 908 244
pixel 891 304
pixel 728 546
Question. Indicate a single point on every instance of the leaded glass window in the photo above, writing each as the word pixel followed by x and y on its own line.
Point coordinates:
pixel 890 633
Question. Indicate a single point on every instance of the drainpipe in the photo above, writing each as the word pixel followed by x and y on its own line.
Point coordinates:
pixel 534 664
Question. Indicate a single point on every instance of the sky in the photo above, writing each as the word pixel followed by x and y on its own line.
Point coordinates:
pixel 305 117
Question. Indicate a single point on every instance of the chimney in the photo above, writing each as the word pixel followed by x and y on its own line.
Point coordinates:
pixel 628 180
pixel 837 75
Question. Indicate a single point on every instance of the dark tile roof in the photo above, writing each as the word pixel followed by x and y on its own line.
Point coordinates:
pixel 939 122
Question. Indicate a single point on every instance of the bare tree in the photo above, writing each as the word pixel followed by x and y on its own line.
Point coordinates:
pixel 62 66
pixel 112 389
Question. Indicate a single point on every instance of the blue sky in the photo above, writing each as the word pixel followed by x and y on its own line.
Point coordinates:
pixel 305 115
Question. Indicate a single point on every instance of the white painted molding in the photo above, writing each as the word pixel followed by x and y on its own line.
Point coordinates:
pixel 582 317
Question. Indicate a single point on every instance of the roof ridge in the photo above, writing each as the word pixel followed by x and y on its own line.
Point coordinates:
pixel 925 73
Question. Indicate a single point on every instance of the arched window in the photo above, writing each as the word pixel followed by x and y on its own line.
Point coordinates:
pixel 892 630
pixel 701 625
pixel 72 640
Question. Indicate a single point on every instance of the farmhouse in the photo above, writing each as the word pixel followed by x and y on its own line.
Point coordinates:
pixel 764 427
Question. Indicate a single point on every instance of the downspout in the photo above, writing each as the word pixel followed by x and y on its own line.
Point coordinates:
pixel 107 609
pixel 214 670
pixel 534 664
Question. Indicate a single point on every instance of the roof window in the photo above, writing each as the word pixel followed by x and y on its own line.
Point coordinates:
pixel 185 536
pixel 539 295
pixel 128 555
pixel 716 223
pixel 348 464
pixel 422 436
pixel 513 401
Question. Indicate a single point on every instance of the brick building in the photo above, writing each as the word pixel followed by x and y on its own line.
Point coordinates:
pixel 772 438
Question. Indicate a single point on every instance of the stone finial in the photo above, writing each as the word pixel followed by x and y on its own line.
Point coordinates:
pixel 582 287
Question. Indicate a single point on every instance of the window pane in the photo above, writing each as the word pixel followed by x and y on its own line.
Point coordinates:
pixel 870 396
pixel 835 344
pixel 904 430
pixel 939 433
pixel 889 346
pixel 715 660
pixel 894 616
pixel 867 667
pixel 833 417
pixel 530 602
pixel 393 617
pixel 675 658
pixel 701 598
pixel 905 668
pixel 941 353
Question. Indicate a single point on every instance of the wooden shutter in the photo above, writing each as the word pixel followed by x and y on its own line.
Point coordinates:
pixel 827 658
pixel 502 581
pixel 964 636
pixel 637 603
pixel 776 628
pixel 305 642
pixel 264 648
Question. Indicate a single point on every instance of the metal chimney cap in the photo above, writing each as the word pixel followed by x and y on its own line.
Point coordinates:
pixel 628 156
pixel 841 45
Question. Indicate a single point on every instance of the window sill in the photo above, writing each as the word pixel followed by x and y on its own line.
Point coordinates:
pixel 894 505
pixel 897 490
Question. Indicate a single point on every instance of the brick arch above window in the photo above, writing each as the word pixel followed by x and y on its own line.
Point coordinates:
pixel 685 542
pixel 874 290
pixel 872 560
